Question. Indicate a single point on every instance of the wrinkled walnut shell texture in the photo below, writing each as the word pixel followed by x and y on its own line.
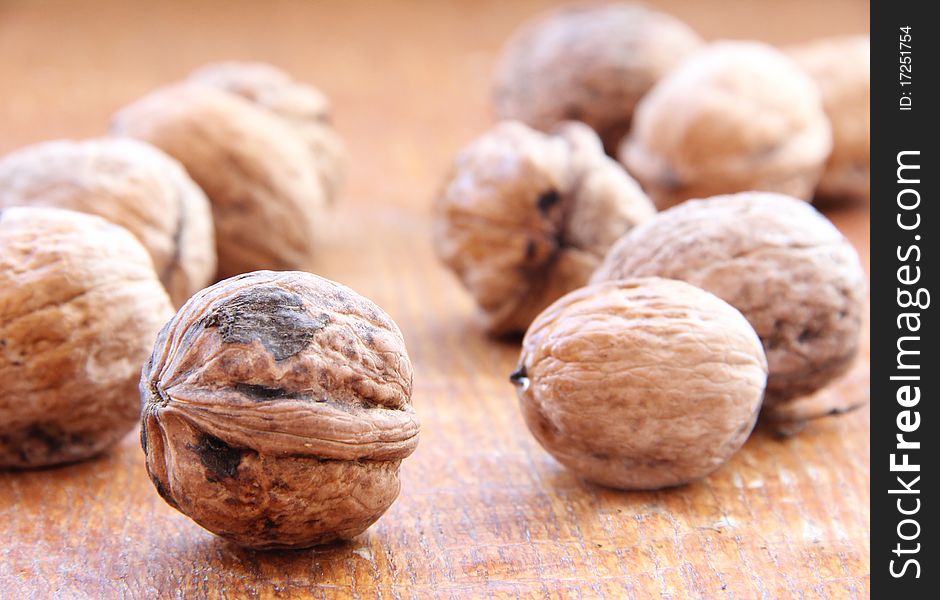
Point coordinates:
pixel 265 192
pixel 80 305
pixel 777 260
pixel 131 184
pixel 525 217
pixel 841 68
pixel 303 106
pixel 277 410
pixel 589 63
pixel 641 384
pixel 736 116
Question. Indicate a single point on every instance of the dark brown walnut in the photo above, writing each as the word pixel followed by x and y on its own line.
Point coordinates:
pixel 733 117
pixel 589 63
pixel 277 410
pixel 524 217
pixel 841 68
pixel 80 305
pixel 305 108
pixel 265 192
pixel 131 184
pixel 777 260
pixel 641 384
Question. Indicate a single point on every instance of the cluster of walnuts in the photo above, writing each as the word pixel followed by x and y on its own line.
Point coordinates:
pixel 653 340
pixel 276 404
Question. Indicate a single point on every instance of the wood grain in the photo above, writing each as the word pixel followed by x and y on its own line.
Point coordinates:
pixel 483 510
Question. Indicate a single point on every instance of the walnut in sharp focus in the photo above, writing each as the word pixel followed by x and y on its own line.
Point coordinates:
pixel 266 193
pixel 80 305
pixel 304 107
pixel 589 63
pixel 641 384
pixel 277 410
pixel 842 69
pixel 777 260
pixel 131 184
pixel 735 116
pixel 525 217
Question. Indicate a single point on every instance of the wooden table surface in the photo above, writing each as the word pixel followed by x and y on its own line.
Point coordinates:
pixel 484 511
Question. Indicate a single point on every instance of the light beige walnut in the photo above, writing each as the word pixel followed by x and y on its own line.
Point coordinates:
pixel 265 192
pixel 524 217
pixel 131 184
pixel 641 384
pixel 777 260
pixel 841 68
pixel 733 117
pixel 80 305
pixel 589 62
pixel 306 109
pixel 277 410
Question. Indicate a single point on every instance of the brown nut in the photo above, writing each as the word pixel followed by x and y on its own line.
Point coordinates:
pixel 131 184
pixel 777 260
pixel 305 108
pixel 80 305
pixel 641 384
pixel 265 192
pixel 277 410
pixel 525 217
pixel 734 117
pixel 841 68
pixel 590 63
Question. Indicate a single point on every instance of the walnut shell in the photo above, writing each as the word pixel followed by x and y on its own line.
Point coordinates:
pixel 641 384
pixel 277 410
pixel 735 116
pixel 80 305
pixel 305 108
pixel 590 63
pixel 265 191
pixel 777 260
pixel 525 217
pixel 841 68
pixel 131 184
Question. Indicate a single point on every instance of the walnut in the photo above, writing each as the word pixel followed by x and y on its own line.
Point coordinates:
pixel 841 68
pixel 525 217
pixel 131 184
pixel 304 107
pixel 777 260
pixel 640 384
pixel 734 117
pixel 590 63
pixel 277 410
pixel 80 305
pixel 265 191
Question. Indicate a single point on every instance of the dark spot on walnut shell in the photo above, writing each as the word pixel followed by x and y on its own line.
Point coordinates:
pixel 262 392
pixel 270 315
pixel 218 457
pixel 547 200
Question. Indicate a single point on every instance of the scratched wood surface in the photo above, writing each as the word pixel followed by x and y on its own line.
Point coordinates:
pixel 483 510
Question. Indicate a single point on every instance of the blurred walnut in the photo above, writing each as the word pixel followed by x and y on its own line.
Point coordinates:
pixel 305 108
pixel 131 184
pixel 777 260
pixel 265 191
pixel 841 67
pixel 734 117
pixel 641 384
pixel 590 63
pixel 277 410
pixel 525 217
pixel 80 305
